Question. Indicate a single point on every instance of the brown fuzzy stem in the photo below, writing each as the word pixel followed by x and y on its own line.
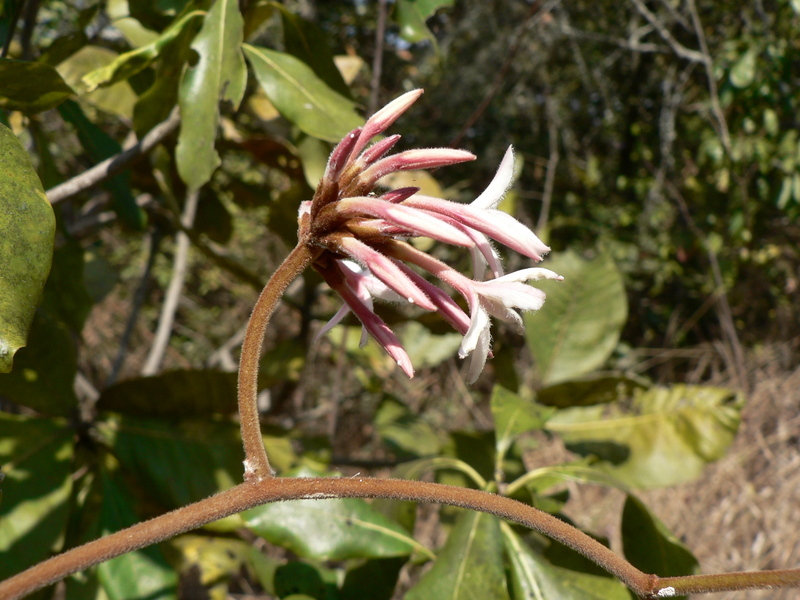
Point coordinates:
pixel 275 489
pixel 256 462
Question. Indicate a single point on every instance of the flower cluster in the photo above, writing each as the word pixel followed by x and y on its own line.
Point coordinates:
pixel 360 250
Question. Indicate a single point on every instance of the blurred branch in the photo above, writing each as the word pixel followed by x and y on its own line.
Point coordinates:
pixel 222 357
pixel 115 164
pixel 528 22
pixel 377 59
pixel 12 28
pixel 154 240
pixel 724 313
pixel 712 82
pixel 164 330
pixel 552 163
pixel 677 47
pixel 633 43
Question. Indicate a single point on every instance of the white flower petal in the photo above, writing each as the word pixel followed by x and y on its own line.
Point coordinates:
pixel 499 185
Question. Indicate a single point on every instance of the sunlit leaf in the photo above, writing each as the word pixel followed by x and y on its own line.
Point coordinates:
pixel 156 103
pixel 541 479
pixel 532 577
pixel 411 17
pixel 219 75
pixel 743 73
pixel 313 153
pixel 31 86
pixel 308 42
pixel 36 459
pixel 27 227
pixel 580 323
pixel 667 437
pixel 212 560
pixel 650 546
pixel 117 99
pixel 300 96
pixel 469 566
pixel 514 415
pixel 128 64
pixel 334 529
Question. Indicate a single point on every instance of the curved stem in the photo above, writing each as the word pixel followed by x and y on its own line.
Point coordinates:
pixel 275 489
pixel 256 462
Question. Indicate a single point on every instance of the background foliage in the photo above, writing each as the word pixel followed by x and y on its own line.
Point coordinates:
pixel 659 157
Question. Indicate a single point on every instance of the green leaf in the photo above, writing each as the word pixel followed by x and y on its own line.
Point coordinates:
pixel 130 63
pixel 308 42
pixel 335 529
pixel 666 438
pixel 302 581
pixel 300 96
pixel 313 154
pixel 164 457
pixel 27 228
pixel 405 432
pixel 580 324
pixel 411 17
pixel 743 73
pixel 650 546
pixel 597 388
pixel 219 75
pixel 427 349
pixel 416 468
pixel 532 576
pixel 469 566
pixel 140 574
pixel 44 371
pixel 36 458
pixel 100 146
pixel 542 479
pixel 377 578
pixel 31 86
pixel 156 103
pixel 210 560
pixel 514 416
pixel 173 394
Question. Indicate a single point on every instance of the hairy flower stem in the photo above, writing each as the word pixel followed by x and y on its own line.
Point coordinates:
pixel 256 462
pixel 275 489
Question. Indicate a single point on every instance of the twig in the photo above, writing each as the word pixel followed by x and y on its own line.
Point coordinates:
pixel 377 59
pixel 256 463
pixel 552 163
pixel 115 164
pixel 712 83
pixel 164 330
pixel 138 300
pixel 677 47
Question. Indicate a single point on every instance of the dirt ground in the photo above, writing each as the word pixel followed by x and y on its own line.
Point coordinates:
pixel 742 514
